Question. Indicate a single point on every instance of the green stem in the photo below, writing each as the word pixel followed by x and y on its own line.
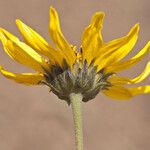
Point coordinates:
pixel 76 100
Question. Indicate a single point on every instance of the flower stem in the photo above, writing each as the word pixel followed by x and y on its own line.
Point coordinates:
pixel 76 100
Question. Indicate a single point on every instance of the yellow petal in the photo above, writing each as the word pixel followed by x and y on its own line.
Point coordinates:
pixel 139 90
pixel 115 50
pixel 143 75
pixel 92 38
pixel 58 38
pixel 22 53
pixel 7 35
pixel 118 93
pixel 39 44
pixel 33 39
pixel 24 78
pixel 116 80
pixel 119 66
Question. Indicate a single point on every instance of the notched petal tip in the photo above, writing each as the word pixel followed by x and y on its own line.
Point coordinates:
pixel 99 15
pixel 97 19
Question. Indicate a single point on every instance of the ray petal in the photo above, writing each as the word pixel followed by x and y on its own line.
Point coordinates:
pixel 23 78
pixel 22 53
pixel 33 39
pixel 139 90
pixel 92 38
pixel 39 44
pixel 58 38
pixel 143 75
pixel 122 65
pixel 115 50
pixel 118 93
pixel 117 80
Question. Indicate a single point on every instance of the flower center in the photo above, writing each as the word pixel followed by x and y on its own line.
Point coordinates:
pixel 82 79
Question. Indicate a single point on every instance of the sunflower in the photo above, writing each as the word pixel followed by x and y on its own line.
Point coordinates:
pixel 65 70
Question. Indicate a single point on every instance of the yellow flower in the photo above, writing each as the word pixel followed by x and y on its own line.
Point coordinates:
pixel 65 70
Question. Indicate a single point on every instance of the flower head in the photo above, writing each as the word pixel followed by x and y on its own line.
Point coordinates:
pixel 65 70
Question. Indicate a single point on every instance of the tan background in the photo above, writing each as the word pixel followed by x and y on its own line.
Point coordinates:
pixel 31 118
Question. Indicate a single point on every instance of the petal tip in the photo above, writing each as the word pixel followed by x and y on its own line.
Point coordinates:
pixel 134 30
pixel 147 46
pixel 18 22
pixel 2 30
pixel 99 15
pixel 97 19
pixel 137 26
pixel 1 67
pixel 52 9
pixel 148 43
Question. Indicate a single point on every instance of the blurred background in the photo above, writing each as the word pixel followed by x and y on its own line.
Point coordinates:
pixel 31 118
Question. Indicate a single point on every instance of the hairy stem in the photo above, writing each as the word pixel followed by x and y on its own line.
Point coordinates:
pixel 76 100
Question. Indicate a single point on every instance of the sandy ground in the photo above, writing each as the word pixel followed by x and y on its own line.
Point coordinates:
pixel 31 118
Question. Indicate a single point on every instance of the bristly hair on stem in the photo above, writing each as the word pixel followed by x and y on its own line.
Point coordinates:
pixel 76 100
